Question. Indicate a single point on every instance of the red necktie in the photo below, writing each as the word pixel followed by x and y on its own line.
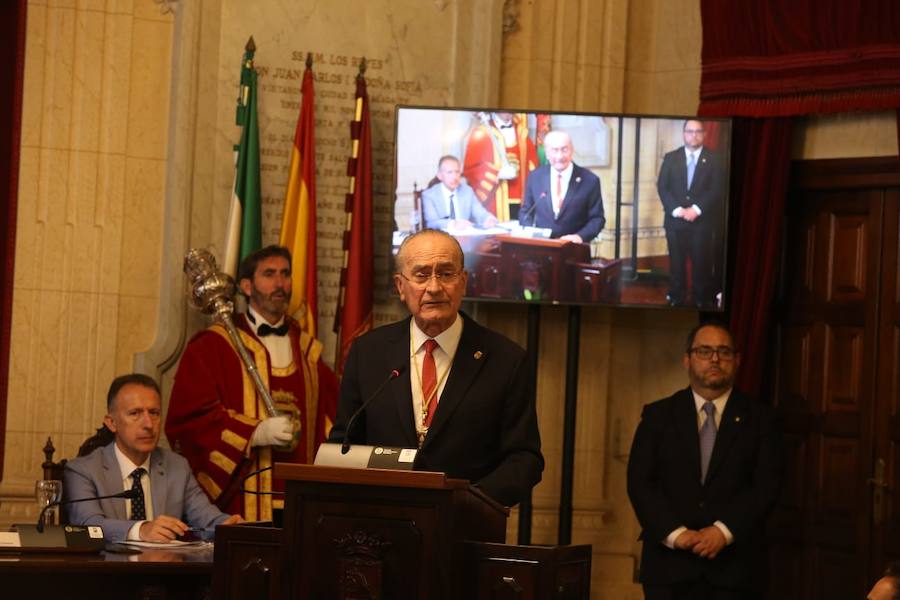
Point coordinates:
pixel 429 380
pixel 559 192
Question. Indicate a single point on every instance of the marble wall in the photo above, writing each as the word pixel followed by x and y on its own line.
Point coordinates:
pixel 89 229
pixel 603 56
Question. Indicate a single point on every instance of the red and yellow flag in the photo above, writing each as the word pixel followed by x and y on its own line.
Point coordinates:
pixel 298 221
pixel 355 299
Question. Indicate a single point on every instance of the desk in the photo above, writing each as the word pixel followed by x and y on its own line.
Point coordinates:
pixel 152 575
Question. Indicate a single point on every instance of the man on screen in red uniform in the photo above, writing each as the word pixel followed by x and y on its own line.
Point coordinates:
pixel 215 418
pixel 499 156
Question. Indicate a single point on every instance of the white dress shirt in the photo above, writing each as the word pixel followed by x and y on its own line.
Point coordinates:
pixel 450 198
pixel 126 467
pixel 447 340
pixel 556 199
pixel 279 346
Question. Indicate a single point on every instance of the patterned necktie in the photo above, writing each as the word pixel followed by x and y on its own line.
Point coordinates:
pixel 452 210
pixel 691 167
pixel 138 511
pixel 707 438
pixel 429 380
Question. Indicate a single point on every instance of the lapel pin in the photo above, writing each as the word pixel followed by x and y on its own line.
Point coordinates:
pixel 478 354
pixel 578 180
pixel 543 194
pixel 703 160
pixel 737 419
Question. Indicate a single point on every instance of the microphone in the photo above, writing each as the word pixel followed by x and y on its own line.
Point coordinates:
pixel 395 373
pixel 129 494
pixel 528 215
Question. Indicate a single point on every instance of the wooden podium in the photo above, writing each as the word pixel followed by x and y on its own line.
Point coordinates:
pixel 362 533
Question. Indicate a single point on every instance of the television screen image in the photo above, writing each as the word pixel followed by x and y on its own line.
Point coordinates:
pixel 570 208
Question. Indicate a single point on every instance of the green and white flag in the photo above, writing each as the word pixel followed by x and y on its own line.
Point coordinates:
pixel 244 234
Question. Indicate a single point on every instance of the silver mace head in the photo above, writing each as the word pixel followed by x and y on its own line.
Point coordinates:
pixel 212 291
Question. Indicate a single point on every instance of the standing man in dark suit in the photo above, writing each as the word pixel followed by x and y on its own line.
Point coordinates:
pixel 562 196
pixel 704 471
pixel 462 397
pixel 691 189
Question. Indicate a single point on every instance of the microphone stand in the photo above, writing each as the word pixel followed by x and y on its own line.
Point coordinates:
pixel 127 494
pixel 395 373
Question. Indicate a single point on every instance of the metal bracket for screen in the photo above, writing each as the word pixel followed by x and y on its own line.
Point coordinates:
pixel 363 457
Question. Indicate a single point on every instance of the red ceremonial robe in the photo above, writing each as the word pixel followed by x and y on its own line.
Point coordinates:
pixel 214 409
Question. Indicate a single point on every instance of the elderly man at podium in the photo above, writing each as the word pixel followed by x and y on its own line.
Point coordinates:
pixel 440 382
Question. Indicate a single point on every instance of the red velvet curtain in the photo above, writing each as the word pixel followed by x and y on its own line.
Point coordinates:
pixel 763 62
pixel 763 58
pixel 12 47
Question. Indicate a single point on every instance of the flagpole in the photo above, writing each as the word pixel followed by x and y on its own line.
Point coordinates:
pixel 357 240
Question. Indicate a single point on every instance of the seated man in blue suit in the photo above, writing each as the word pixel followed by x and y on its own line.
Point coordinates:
pixel 453 204
pixel 169 499
pixel 562 196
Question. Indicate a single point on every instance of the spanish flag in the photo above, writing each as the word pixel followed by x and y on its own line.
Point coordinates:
pixel 298 220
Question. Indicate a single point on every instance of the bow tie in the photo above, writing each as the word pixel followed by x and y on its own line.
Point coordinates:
pixel 506 126
pixel 266 329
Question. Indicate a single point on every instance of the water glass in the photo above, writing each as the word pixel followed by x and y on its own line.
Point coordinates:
pixel 45 492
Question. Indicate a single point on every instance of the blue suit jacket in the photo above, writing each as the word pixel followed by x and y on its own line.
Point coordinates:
pixel 467 206
pixel 174 490
pixel 582 209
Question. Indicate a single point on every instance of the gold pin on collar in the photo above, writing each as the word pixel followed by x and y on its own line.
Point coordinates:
pixel 478 354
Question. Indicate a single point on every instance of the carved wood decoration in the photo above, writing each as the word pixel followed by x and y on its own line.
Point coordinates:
pixel 360 565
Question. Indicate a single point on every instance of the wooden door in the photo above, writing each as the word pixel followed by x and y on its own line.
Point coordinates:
pixel 832 366
pixel 884 483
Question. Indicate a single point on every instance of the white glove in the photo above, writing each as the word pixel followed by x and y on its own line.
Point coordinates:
pixel 274 431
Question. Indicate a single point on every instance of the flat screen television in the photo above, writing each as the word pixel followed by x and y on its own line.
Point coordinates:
pixel 578 208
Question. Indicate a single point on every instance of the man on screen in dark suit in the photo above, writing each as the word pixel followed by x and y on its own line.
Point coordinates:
pixel 704 471
pixel 170 499
pixel 691 189
pixel 562 196
pixel 462 396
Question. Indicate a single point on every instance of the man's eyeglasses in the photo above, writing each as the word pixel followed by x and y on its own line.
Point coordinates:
pixel 423 278
pixel 706 352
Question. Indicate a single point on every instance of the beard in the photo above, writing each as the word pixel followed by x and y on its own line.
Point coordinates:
pixel 275 303
pixel 714 378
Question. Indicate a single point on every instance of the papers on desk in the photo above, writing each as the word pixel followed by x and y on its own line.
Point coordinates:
pixel 167 545
pixel 9 539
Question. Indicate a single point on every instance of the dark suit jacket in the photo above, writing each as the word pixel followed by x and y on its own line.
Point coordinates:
pixel 173 488
pixel 582 209
pixel 485 426
pixel 707 188
pixel 741 486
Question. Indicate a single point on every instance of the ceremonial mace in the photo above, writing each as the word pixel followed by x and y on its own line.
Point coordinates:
pixel 212 293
